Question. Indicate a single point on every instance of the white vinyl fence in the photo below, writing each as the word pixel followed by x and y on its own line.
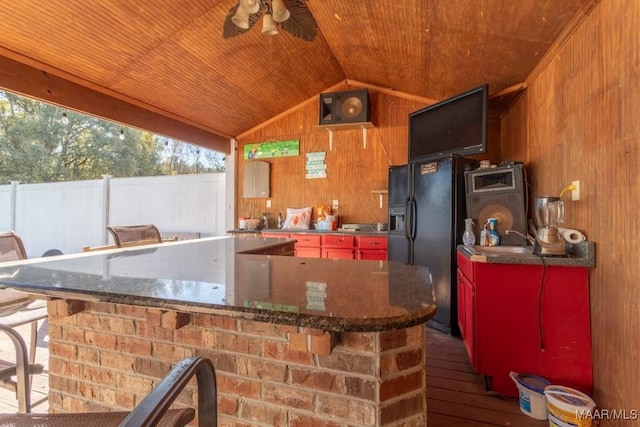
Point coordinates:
pixel 69 215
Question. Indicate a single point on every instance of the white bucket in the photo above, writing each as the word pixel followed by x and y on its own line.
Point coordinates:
pixel 531 391
pixel 568 407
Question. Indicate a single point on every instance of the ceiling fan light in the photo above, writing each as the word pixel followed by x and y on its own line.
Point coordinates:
pixel 251 6
pixel 280 11
pixel 241 18
pixel 268 26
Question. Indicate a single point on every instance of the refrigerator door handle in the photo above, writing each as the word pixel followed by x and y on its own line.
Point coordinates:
pixel 407 225
pixel 414 219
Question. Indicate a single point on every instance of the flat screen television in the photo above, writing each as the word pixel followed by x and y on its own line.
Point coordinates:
pixel 455 126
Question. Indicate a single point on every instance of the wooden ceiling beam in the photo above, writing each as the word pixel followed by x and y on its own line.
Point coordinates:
pixel 32 82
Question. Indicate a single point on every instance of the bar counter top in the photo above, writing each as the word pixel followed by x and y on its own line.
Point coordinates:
pixel 223 276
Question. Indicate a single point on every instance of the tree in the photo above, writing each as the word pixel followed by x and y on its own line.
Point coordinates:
pixel 36 145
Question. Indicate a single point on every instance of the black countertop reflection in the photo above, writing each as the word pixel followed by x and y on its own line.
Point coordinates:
pixel 214 276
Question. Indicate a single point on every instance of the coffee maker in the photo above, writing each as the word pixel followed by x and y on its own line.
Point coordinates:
pixel 549 212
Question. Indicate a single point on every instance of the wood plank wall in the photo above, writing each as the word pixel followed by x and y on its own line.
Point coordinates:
pixel 353 171
pixel 580 121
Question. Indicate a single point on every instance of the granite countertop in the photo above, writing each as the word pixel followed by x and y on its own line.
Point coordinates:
pixel 578 255
pixel 361 232
pixel 212 275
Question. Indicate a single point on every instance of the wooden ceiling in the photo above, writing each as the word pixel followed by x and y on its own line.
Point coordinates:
pixel 163 65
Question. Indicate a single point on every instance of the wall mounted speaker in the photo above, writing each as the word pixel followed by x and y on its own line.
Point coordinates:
pixel 498 193
pixel 345 107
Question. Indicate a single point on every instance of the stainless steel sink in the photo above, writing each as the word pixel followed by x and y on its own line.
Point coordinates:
pixel 503 250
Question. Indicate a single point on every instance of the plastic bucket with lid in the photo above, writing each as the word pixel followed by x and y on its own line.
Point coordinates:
pixel 568 407
pixel 531 392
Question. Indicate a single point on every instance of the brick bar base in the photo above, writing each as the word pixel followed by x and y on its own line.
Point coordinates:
pixel 109 356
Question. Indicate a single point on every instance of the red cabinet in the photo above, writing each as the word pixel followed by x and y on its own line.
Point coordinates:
pixel 307 245
pixel 528 319
pixel 341 246
pixel 372 248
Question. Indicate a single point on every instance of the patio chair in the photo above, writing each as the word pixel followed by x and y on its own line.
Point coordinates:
pixel 154 408
pixel 16 309
pixel 134 235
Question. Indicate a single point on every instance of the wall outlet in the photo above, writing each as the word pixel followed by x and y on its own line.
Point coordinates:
pixel 335 204
pixel 268 203
pixel 575 194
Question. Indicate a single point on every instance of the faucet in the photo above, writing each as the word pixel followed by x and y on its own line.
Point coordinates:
pixel 526 236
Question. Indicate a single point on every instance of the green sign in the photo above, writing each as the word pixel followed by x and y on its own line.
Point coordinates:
pixel 266 150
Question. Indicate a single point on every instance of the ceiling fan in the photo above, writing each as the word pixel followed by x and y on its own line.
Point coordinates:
pixel 292 16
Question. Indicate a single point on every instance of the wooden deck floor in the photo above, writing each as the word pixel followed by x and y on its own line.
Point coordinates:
pixel 455 397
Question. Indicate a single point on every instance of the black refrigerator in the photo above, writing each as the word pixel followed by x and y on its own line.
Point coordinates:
pixel 426 217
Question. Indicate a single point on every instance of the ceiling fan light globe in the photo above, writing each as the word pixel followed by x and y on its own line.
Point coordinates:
pixel 280 11
pixel 268 26
pixel 241 18
pixel 251 6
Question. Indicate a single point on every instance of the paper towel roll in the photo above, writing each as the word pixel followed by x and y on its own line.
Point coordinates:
pixel 571 235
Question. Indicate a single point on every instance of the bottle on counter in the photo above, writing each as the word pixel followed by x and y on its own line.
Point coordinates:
pixel 483 235
pixel 280 220
pixel 493 236
pixel 468 238
pixel 265 222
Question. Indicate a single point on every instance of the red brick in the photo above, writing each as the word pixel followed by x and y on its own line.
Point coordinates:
pixel 264 329
pixel 391 363
pixel 361 363
pixel 174 320
pixel 222 362
pixel 404 384
pixel 189 335
pixel 63 384
pixel 360 388
pixel 99 376
pixel 74 335
pixel 254 368
pixel 324 381
pixel 102 307
pixel 297 342
pixel 131 311
pixel 393 339
pixel 299 420
pixel 133 383
pixel 88 320
pixel 100 340
pixel 55 331
pixel 90 355
pixel 154 317
pixel 358 341
pixel 265 414
pixel 134 346
pixel 213 321
pixel 347 409
pixel 117 325
pixel 291 397
pixel 154 332
pixel 170 351
pixel 324 344
pixel 282 351
pixel 237 343
pixel 67 351
pixel 117 361
pixel 227 405
pixel 403 408
pixel 125 399
pixel 64 367
pixel 236 386
pixel 151 367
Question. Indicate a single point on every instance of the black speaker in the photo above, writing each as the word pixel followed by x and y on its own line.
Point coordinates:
pixel 345 107
pixel 498 193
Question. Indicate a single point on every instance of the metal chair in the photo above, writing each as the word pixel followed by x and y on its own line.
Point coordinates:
pixel 134 235
pixel 152 411
pixel 16 309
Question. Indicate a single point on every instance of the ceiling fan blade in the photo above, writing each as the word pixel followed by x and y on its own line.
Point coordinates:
pixel 301 23
pixel 229 29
